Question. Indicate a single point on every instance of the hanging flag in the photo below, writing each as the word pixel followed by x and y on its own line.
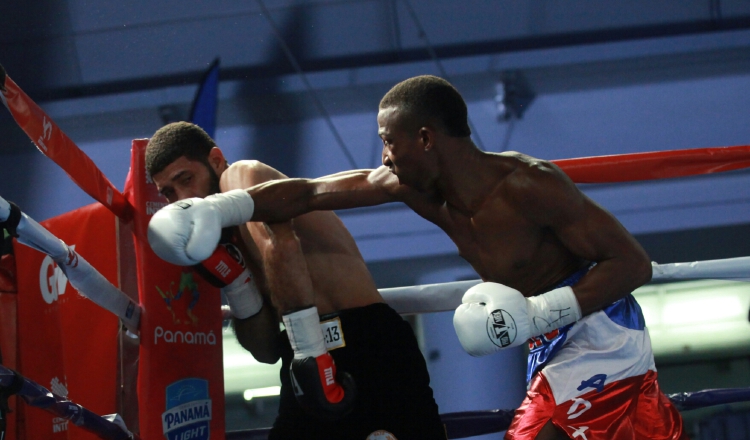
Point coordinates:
pixel 203 112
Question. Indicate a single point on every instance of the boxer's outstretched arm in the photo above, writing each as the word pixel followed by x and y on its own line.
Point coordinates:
pixel 281 200
pixel 551 199
pixel 275 247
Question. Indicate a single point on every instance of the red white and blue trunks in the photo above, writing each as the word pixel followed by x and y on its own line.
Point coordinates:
pixel 596 379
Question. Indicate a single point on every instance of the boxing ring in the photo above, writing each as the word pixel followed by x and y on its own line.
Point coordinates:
pixel 136 289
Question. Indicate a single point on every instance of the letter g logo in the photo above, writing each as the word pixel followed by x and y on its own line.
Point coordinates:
pixel 52 280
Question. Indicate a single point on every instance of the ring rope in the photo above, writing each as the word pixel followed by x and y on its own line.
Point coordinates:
pixel 443 297
pixel 655 165
pixel 55 144
pixel 473 423
pixel 109 427
pixel 81 274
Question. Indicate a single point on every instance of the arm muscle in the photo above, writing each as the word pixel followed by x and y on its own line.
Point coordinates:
pixel 552 200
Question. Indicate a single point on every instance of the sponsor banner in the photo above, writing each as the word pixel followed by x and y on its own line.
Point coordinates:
pixel 188 413
pixel 39 336
pixel 90 345
pixel 180 332
pixel 67 343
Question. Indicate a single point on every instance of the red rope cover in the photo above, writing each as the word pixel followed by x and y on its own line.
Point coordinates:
pixel 655 165
pixel 52 142
pixel 56 145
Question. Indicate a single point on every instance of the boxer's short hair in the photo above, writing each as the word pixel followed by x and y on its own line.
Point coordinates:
pixel 432 99
pixel 175 140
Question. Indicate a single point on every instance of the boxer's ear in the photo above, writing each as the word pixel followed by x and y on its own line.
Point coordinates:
pixel 216 160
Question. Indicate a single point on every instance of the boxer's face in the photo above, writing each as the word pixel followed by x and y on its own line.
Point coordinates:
pixel 404 149
pixel 185 178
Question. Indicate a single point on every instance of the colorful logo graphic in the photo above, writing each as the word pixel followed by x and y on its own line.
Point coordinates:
pixel 188 288
pixel 188 414
pixel 52 280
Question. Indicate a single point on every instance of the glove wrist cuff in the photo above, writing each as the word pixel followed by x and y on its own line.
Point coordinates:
pixel 243 296
pixel 235 207
pixel 552 310
pixel 305 335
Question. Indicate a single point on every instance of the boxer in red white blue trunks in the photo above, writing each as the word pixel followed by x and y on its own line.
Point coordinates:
pixel 523 225
pixel 596 379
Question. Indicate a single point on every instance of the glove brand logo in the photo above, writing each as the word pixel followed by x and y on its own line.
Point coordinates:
pixel 188 414
pixel 184 204
pixel 501 328
pixel 223 269
pixel 381 435
pixel 329 376
pixel 52 280
pixel 235 253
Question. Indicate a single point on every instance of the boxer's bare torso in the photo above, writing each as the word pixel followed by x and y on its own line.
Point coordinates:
pixel 339 275
pixel 517 220
pixel 497 232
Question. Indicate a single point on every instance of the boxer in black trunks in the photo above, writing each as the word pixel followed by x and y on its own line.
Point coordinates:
pixel 305 269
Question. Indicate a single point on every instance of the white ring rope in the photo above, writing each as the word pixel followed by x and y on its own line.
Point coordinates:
pixel 425 298
pixel 737 269
pixel 82 276
pixel 447 296
pixel 443 297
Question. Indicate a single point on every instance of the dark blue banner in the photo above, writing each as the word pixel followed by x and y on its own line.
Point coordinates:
pixel 203 112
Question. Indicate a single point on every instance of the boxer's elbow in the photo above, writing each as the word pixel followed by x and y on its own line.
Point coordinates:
pixel 263 351
pixel 642 270
pixel 260 337
pixel 267 358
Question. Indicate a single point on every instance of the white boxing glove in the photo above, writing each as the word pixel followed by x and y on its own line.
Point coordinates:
pixel 186 232
pixel 493 317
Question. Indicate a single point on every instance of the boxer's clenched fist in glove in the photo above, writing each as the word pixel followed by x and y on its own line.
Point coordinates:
pixel 186 232
pixel 319 388
pixel 225 269
pixel 493 316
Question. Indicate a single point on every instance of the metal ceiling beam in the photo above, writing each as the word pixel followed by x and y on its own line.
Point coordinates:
pixel 548 41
